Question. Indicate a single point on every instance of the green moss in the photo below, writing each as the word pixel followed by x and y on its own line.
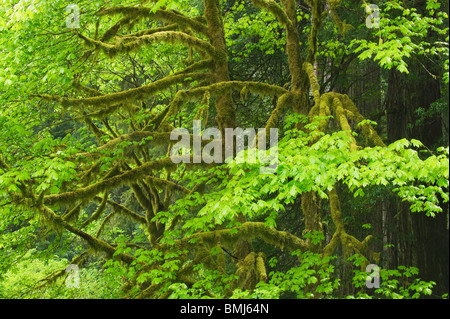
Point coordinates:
pixel 132 44
pixel 72 215
pixel 343 121
pixel 311 212
pixel 283 102
pixel 96 215
pixel 91 191
pixel 132 95
pixel 350 245
pixel 313 82
pixel 277 11
pixel 170 16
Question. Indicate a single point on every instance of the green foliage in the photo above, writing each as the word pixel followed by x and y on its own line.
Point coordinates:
pixel 404 32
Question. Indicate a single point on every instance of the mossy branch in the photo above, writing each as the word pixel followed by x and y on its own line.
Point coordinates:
pixel 200 65
pixel 129 95
pixel 318 16
pixel 131 36
pixel 283 101
pixel 127 177
pixel 3 164
pixel 315 87
pixel 274 8
pixel 169 16
pixel 96 215
pixel 343 121
pixel 72 215
pixel 111 32
pixel 76 84
pixel 250 230
pixel 51 278
pixel 126 212
pixel 138 138
pixel 95 243
pixel 163 182
pixel 183 96
pixel 366 127
pixel 350 245
pixel 129 44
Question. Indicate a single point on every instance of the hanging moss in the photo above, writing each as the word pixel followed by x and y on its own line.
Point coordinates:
pixel 260 268
pixel 342 25
pixel 283 101
pixel 128 96
pixel 244 93
pixel 350 245
pixel 248 231
pixel 343 121
pixel 170 16
pixel 367 128
pixel 72 215
pixel 91 191
pixel 313 82
pixel 246 272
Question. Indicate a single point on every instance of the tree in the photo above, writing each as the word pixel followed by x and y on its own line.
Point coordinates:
pixel 146 69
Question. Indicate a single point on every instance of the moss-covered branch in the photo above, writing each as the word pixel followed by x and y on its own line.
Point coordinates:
pixel 137 138
pixel 96 244
pixel 274 8
pixel 248 231
pixel 170 16
pixel 126 212
pixel 343 121
pixel 200 65
pixel 135 43
pixel 217 89
pixel 129 95
pixel 366 127
pixel 283 101
pixel 315 87
pixel 350 245
pixel 96 215
pixel 51 278
pixel 319 13
pixel 3 164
